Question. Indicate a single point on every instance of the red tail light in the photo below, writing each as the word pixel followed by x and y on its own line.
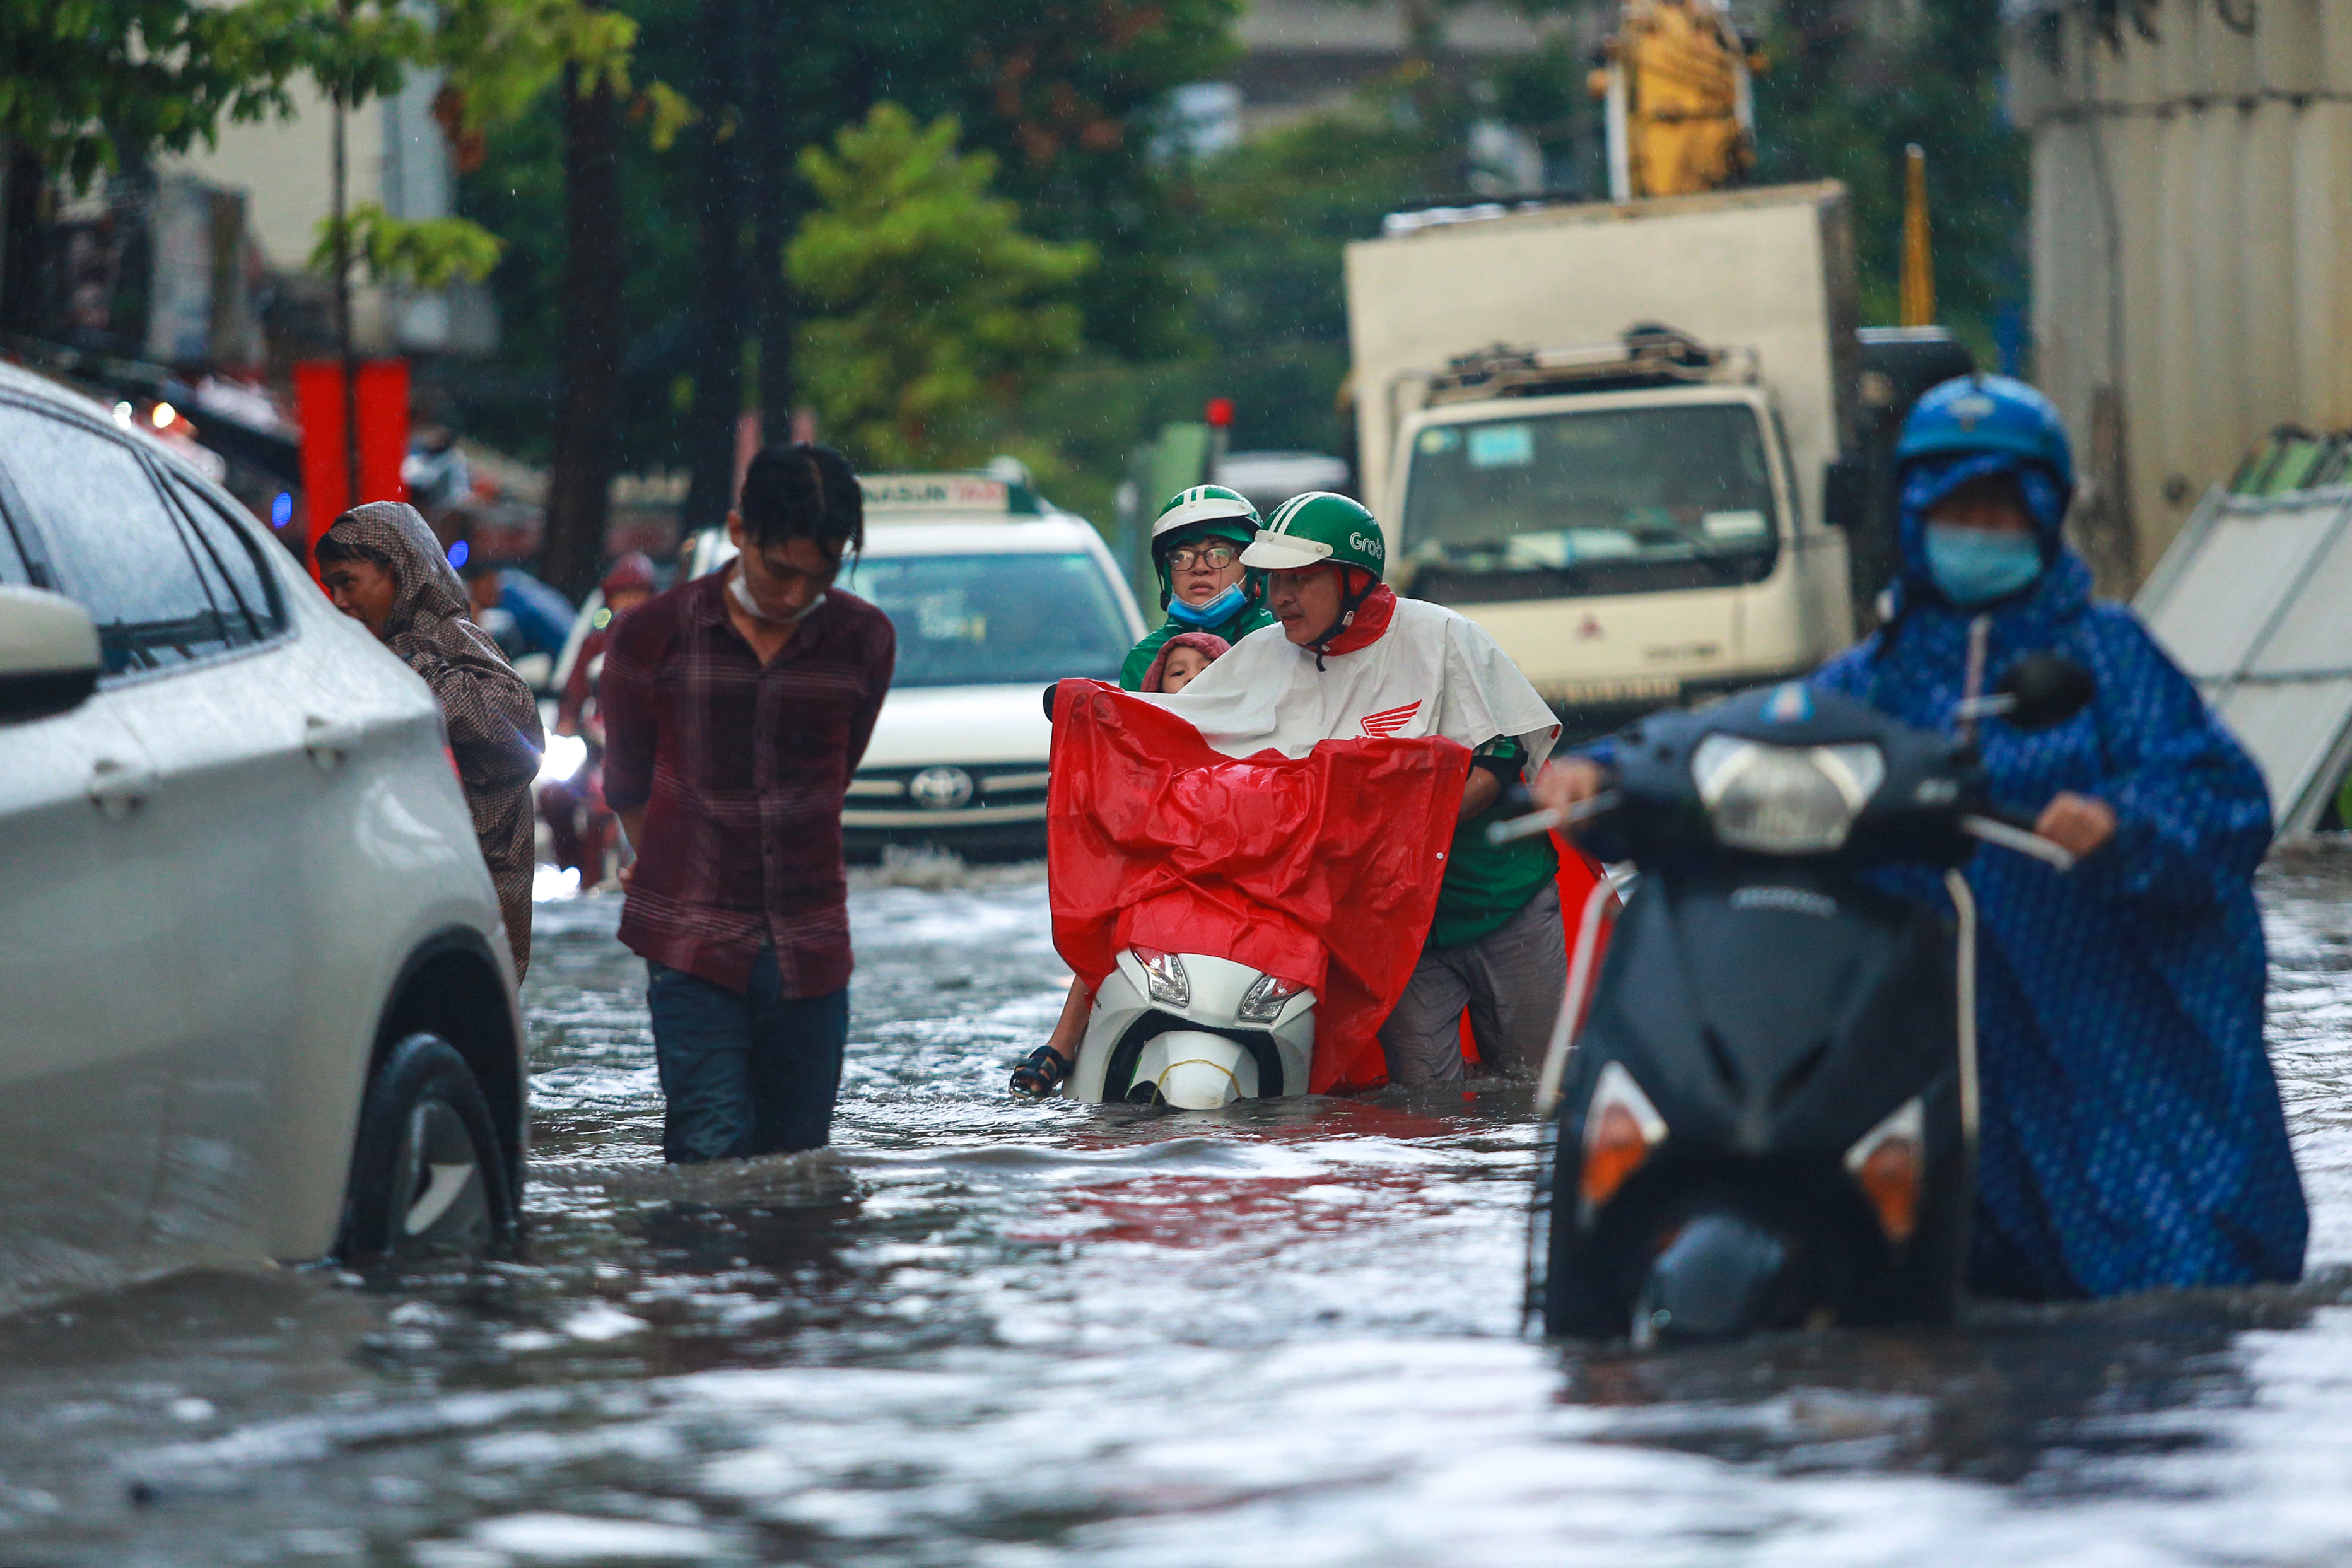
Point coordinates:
pixel 1889 1163
pixel 1620 1127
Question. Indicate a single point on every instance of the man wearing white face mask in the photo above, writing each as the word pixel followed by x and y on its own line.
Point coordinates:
pixel 736 708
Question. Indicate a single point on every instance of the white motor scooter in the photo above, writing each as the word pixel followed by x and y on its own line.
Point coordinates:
pixel 1194 1032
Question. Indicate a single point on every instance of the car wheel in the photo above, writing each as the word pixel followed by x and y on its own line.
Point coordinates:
pixel 428 1180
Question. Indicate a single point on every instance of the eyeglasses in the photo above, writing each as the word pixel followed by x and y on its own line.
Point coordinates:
pixel 1215 557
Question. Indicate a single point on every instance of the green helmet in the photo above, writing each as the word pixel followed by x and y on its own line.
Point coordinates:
pixel 1205 511
pixel 1316 527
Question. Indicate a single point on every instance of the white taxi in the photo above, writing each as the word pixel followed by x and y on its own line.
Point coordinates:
pixel 995 593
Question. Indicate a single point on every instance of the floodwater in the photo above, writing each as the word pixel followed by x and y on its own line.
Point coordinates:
pixel 990 1333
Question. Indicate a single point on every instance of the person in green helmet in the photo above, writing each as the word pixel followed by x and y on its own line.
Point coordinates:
pixel 1353 661
pixel 1196 547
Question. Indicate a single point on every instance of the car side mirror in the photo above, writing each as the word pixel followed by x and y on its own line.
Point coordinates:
pixel 1845 493
pixel 49 654
pixel 2046 690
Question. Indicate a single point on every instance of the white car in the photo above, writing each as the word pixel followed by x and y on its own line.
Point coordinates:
pixel 994 594
pixel 256 1001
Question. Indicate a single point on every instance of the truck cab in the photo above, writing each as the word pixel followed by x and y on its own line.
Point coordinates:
pixel 1624 519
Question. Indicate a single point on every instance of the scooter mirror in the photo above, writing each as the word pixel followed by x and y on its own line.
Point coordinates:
pixel 2046 690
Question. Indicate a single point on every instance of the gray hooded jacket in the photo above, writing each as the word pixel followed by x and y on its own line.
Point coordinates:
pixel 492 719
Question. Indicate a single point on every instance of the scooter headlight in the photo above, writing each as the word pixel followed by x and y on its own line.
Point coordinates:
pixel 1889 1163
pixel 1784 800
pixel 1620 1127
pixel 1263 1003
pixel 1164 973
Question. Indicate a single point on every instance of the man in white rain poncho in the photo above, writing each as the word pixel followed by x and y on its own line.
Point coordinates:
pixel 1350 660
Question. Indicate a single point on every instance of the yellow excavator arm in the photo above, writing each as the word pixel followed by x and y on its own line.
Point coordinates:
pixel 1681 118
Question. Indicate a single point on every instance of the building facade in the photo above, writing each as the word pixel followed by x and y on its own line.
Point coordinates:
pixel 2191 242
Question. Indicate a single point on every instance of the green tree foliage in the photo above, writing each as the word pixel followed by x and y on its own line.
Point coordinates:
pixel 499 56
pixel 425 253
pixel 1833 106
pixel 87 81
pixel 503 55
pixel 90 83
pixel 928 304
pixel 1067 94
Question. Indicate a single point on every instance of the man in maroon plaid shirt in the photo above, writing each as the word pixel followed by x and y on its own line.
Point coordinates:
pixel 736 708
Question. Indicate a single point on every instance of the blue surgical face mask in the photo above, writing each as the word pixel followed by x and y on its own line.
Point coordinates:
pixel 1215 611
pixel 1975 566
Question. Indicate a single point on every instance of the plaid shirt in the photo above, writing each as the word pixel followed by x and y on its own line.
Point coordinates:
pixel 740 770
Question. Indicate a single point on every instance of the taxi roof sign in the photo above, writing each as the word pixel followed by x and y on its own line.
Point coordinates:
pixel 948 494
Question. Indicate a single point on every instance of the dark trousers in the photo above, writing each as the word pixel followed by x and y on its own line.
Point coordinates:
pixel 744 1073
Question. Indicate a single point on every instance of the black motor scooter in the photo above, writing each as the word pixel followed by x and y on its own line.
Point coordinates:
pixel 1768 1117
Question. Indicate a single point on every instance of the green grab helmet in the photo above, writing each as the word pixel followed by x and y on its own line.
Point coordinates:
pixel 1310 528
pixel 1206 511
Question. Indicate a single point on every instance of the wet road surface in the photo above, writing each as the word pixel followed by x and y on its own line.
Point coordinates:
pixel 990 1333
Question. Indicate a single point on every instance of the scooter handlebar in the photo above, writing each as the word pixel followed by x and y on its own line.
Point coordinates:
pixel 2010 830
pixel 1512 829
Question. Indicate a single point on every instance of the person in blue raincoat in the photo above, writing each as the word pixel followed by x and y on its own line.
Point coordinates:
pixel 2132 1137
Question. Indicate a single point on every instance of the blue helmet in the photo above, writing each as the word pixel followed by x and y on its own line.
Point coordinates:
pixel 1989 414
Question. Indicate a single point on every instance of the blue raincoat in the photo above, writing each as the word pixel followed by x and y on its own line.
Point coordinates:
pixel 2132 1134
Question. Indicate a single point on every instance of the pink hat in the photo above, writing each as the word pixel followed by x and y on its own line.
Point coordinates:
pixel 1207 643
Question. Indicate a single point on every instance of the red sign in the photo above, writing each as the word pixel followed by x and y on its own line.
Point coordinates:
pixel 381 393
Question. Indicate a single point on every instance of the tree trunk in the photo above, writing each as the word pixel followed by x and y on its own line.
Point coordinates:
pixel 587 428
pixel 772 211
pixel 24 292
pixel 719 314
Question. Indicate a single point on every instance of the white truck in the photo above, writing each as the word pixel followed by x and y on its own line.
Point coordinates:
pixel 1622 438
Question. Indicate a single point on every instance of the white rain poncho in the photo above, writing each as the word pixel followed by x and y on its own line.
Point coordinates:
pixel 1431 672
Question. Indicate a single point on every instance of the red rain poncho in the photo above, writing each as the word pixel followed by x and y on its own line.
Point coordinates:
pixel 1322 870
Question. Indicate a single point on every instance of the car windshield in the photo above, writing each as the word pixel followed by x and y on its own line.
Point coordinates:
pixel 1617 501
pixel 995 619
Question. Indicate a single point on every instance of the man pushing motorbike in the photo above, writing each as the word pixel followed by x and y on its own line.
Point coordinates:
pixel 1348 659
pixel 2131 1132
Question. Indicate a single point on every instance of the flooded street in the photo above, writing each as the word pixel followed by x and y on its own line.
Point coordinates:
pixel 985 1332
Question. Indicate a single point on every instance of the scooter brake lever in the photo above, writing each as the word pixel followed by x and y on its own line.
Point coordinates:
pixel 1518 827
pixel 1987 830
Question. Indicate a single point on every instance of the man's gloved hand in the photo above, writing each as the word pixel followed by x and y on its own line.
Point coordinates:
pixel 1051 692
pixel 1040 1072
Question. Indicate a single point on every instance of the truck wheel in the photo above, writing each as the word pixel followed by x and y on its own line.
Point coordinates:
pixel 427 1180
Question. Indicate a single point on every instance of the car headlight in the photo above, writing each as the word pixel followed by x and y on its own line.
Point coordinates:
pixel 1165 973
pixel 562 759
pixel 1784 800
pixel 1263 1001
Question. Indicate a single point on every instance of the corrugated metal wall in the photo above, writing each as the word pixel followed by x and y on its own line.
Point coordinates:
pixel 2192 243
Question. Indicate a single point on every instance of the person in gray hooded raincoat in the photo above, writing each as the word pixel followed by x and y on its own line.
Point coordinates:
pixel 383 566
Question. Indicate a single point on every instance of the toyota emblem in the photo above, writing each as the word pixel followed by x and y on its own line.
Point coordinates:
pixel 941 789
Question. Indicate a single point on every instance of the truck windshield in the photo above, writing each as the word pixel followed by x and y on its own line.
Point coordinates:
pixel 1620 500
pixel 995 619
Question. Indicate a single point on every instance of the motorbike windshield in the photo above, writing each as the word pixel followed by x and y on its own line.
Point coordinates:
pixel 1622 500
pixel 996 619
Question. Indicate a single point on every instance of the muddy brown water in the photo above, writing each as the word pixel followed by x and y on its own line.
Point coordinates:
pixel 990 1333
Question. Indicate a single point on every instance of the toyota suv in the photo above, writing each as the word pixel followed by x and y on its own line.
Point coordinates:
pixel 254 998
